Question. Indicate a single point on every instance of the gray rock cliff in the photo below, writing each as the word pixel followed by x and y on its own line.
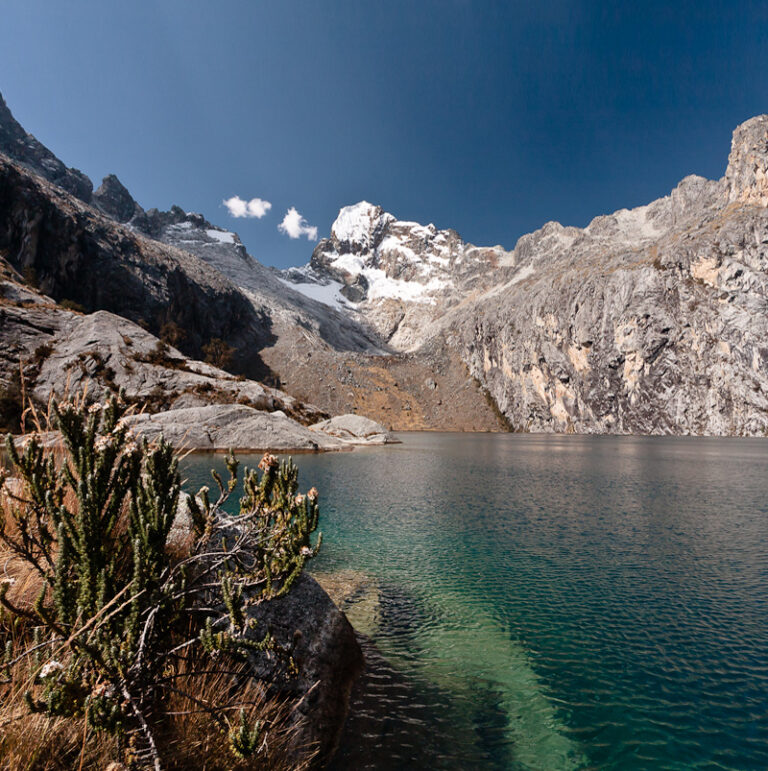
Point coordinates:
pixel 650 320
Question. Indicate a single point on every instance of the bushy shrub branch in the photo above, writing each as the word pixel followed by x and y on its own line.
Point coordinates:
pixel 117 610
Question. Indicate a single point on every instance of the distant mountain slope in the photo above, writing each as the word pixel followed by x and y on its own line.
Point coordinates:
pixel 184 279
pixel 650 320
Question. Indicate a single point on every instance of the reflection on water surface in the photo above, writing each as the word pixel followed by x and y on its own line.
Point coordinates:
pixel 551 602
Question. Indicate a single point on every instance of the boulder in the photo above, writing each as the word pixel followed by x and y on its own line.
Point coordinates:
pixel 355 429
pixel 328 659
pixel 220 427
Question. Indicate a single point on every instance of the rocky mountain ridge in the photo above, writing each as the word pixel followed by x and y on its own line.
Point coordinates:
pixel 650 320
pixel 662 332
pixel 194 285
pixel 398 276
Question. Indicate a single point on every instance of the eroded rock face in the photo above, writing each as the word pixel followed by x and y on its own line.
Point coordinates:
pixel 747 174
pixel 654 322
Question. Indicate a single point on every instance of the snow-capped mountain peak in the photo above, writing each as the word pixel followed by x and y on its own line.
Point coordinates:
pixel 390 269
pixel 358 225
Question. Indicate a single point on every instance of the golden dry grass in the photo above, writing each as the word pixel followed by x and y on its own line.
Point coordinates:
pixel 186 735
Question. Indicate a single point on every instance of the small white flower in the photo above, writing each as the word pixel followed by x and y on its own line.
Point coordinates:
pixel 299 499
pixel 104 690
pixel 267 462
pixel 103 442
pixel 312 494
pixel 306 551
pixel 50 669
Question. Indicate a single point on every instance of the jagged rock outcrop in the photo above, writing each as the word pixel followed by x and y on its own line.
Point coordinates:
pixel 113 198
pixel 747 173
pixel 18 144
pixel 102 351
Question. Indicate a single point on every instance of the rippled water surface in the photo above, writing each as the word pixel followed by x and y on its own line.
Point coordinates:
pixel 552 602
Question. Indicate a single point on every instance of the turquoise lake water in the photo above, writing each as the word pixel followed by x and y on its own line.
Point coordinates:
pixel 545 602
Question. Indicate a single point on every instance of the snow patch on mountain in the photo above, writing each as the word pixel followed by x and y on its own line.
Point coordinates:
pixel 382 287
pixel 222 236
pixel 326 291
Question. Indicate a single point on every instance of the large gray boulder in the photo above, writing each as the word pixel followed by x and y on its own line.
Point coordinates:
pixel 328 658
pixel 220 427
pixel 355 429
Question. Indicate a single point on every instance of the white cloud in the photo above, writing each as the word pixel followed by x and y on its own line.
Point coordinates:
pixel 295 226
pixel 256 207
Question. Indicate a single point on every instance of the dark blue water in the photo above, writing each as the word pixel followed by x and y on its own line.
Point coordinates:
pixel 553 602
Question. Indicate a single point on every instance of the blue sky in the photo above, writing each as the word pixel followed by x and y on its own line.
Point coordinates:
pixel 488 117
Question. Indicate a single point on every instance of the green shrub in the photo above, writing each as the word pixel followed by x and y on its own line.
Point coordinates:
pixel 218 353
pixel 71 305
pixel 118 607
